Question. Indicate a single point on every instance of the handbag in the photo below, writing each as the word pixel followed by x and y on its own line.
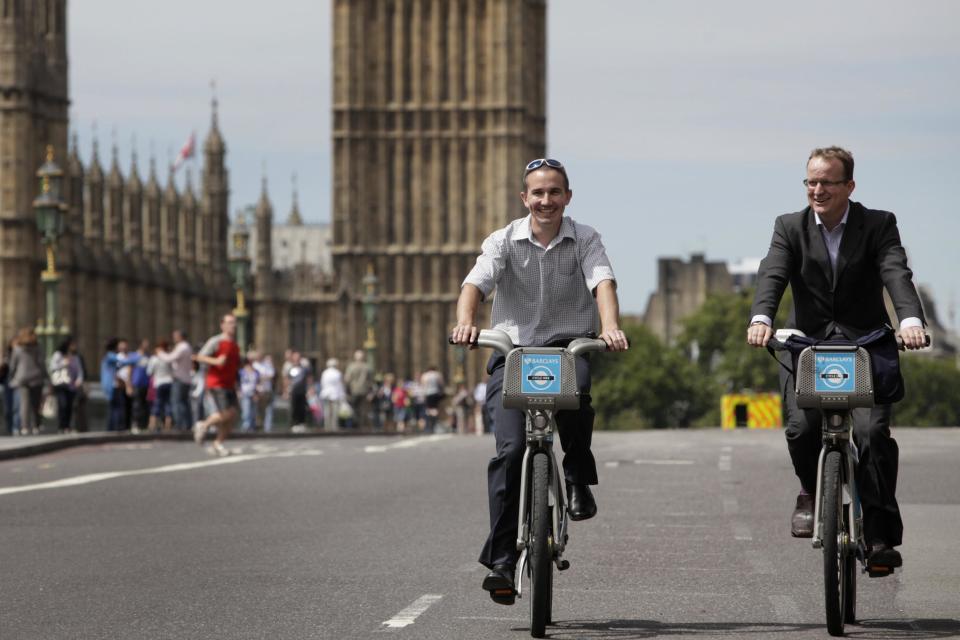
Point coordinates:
pixel 49 408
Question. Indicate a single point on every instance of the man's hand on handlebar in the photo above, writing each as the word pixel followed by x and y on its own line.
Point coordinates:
pixel 759 334
pixel 914 337
pixel 465 334
pixel 616 340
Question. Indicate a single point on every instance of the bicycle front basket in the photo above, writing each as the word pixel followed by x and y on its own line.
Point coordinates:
pixel 540 378
pixel 834 377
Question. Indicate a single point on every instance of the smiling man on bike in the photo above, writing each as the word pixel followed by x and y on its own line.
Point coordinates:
pixel 838 256
pixel 553 283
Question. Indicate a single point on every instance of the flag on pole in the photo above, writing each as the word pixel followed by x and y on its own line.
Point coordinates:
pixel 186 151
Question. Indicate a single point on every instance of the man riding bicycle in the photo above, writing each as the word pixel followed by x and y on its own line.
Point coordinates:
pixel 553 283
pixel 838 256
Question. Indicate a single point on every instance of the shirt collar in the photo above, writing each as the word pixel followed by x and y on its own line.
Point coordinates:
pixel 843 220
pixel 522 231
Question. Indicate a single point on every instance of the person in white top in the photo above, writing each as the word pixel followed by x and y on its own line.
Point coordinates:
pixel 332 393
pixel 181 360
pixel 265 369
pixel 161 373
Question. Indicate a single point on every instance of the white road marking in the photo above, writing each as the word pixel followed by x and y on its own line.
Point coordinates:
pixel 183 466
pixel 724 463
pixel 663 462
pixel 407 443
pixel 409 615
pixel 612 464
pixel 726 449
pixel 741 531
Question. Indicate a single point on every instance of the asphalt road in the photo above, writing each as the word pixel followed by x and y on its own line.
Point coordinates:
pixel 378 538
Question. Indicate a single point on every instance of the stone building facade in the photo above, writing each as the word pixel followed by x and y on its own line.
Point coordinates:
pixel 682 287
pixel 137 259
pixel 437 107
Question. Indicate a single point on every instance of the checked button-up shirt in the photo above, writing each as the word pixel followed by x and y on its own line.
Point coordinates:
pixel 543 294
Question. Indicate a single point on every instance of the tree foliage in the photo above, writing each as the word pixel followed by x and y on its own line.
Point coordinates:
pixel 649 385
pixel 932 392
pixel 716 337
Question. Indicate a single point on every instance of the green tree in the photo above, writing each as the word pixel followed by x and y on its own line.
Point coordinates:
pixel 932 392
pixel 649 385
pixel 717 336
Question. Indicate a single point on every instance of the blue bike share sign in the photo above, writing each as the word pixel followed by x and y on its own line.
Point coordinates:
pixel 835 372
pixel 540 374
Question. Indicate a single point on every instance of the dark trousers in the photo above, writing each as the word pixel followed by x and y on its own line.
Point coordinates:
pixel 141 407
pixel 65 396
pixel 876 470
pixel 503 472
pixel 180 405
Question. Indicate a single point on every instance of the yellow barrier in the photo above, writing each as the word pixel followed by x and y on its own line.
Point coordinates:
pixel 752 410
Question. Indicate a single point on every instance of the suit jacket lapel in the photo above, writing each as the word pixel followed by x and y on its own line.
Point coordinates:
pixel 818 246
pixel 852 236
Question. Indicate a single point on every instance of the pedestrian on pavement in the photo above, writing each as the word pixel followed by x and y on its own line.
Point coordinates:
pixel 181 359
pixel 332 394
pixel 222 357
pixel 27 376
pixel 9 410
pixel 140 384
pixel 66 377
pixel 481 420
pixel 265 393
pixel 298 380
pixel 248 396
pixel 838 258
pixel 160 370
pixel 431 384
pixel 554 282
pixel 358 379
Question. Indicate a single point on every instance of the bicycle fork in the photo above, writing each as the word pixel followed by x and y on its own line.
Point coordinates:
pixel 851 500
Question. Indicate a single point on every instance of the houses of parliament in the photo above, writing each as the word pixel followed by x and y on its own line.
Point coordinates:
pixel 437 106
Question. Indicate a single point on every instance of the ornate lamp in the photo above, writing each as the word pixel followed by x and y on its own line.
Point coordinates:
pixel 370 304
pixel 50 211
pixel 239 264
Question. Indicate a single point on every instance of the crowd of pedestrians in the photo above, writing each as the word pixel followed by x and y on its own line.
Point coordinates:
pixel 168 386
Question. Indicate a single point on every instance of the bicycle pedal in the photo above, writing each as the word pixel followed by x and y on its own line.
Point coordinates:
pixel 563 565
pixel 504 596
pixel 879 571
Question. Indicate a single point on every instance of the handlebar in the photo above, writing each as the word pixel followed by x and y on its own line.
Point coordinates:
pixel 500 340
pixel 777 344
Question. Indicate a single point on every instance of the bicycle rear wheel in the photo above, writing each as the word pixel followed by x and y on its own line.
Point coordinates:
pixel 834 544
pixel 540 550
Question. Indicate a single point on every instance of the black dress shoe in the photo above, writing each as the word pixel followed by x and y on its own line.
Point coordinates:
pixel 882 559
pixel 801 522
pixel 582 506
pixel 499 582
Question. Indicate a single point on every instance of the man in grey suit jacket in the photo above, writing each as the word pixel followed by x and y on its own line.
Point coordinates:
pixel 838 256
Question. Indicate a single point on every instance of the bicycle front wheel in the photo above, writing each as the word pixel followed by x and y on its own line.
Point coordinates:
pixel 541 547
pixel 835 570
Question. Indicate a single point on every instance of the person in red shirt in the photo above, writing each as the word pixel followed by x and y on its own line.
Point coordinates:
pixel 222 357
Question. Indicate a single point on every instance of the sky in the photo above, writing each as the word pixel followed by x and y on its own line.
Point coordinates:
pixel 685 125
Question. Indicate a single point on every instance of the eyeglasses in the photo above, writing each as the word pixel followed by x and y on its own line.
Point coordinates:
pixel 826 184
pixel 550 162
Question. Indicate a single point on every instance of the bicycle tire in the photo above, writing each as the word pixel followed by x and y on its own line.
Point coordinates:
pixel 541 563
pixel 834 553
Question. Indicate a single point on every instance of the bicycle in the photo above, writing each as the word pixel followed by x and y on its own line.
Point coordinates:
pixel 835 378
pixel 540 381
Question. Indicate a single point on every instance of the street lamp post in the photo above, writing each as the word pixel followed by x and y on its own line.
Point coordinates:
pixel 49 209
pixel 370 282
pixel 239 265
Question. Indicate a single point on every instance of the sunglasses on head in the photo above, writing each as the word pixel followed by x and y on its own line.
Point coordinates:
pixel 550 162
